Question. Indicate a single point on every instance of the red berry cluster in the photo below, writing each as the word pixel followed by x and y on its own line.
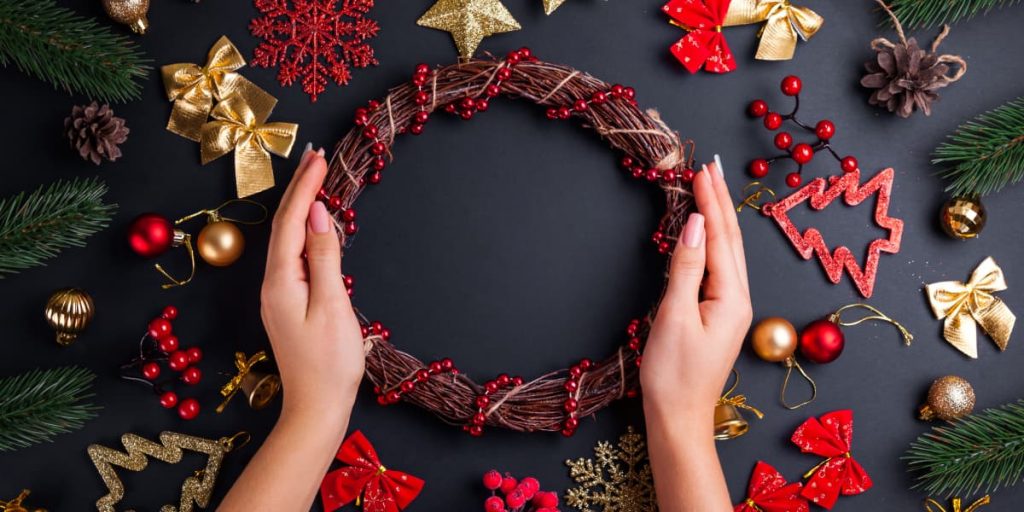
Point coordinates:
pixel 348 215
pixel 394 394
pixel 468 106
pixel 616 92
pixel 371 132
pixel 517 496
pixel 572 387
pixel 801 153
pixel 654 174
pixel 475 427
pixel 179 359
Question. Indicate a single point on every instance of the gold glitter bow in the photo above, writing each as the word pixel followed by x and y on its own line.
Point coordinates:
pixel 964 305
pixel 244 366
pixel 193 89
pixel 957 504
pixel 242 127
pixel 784 23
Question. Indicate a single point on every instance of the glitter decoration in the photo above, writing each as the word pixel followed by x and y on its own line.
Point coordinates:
pixel 196 490
pixel 831 436
pixel 618 480
pixel 551 5
pixel 949 398
pixel 314 40
pixel 811 242
pixel 469 21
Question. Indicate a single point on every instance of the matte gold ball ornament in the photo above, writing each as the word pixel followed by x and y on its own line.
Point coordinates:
pixel 129 12
pixel 949 398
pixel 775 340
pixel 963 218
pixel 69 311
pixel 220 242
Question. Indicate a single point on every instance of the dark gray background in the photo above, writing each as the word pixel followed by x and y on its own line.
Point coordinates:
pixel 515 244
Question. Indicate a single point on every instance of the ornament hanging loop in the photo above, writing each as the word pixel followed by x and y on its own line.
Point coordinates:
pixel 181 238
pixel 876 315
pixel 790 363
pixel 729 422
pixel 236 441
pixel 753 200
pixel 957 505
pixel 214 214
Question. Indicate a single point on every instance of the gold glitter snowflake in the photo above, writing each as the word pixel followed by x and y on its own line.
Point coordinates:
pixel 617 480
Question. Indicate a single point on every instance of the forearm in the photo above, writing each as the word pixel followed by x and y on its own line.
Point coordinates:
pixel 687 473
pixel 285 473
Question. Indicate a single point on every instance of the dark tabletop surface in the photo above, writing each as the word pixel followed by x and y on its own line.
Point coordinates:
pixel 514 244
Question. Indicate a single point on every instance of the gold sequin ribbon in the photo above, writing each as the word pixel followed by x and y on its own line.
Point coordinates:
pixel 242 127
pixel 957 505
pixel 244 366
pixel 738 400
pixel 784 23
pixel 966 306
pixel 193 89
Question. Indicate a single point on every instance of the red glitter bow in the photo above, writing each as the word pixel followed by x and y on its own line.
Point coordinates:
pixel 704 44
pixel 831 437
pixel 768 491
pixel 366 481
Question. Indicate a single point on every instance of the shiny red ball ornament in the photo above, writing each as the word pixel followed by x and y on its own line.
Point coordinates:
pixel 791 85
pixel 759 168
pixel 178 360
pixel 849 164
pixel 492 480
pixel 773 120
pixel 150 235
pixel 168 344
pixel 758 108
pixel 159 328
pixel 194 355
pixel 825 129
pixel 793 179
pixel 802 153
pixel 822 341
pixel 151 371
pixel 783 140
pixel 168 399
pixel 188 409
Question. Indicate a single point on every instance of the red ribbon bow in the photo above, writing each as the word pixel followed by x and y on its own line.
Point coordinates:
pixel 704 45
pixel 366 479
pixel 831 437
pixel 768 491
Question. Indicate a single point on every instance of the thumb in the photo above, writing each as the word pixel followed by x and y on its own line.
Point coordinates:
pixel 323 255
pixel 686 270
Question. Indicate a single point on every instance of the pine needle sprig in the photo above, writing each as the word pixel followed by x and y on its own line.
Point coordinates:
pixel 72 52
pixel 36 226
pixel 932 13
pixel 986 153
pixel 984 451
pixel 37 405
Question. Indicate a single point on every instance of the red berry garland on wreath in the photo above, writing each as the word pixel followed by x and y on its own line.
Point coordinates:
pixel 653 153
pixel 160 345
pixel 802 153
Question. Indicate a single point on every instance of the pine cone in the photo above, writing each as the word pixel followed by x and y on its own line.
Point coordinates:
pixel 95 132
pixel 905 77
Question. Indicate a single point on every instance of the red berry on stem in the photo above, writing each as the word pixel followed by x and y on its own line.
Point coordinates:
pixel 422 69
pixel 483 401
pixel 825 129
pixel 531 484
pixel 802 153
pixel 759 168
pixel 652 175
pixel 791 85
pixel 773 120
pixel 370 131
pixel 504 74
pixel 168 343
pixel 687 175
pixel 188 409
pixel 564 113
pixel 351 227
pixel 580 106
pixel 159 328
pixel 793 179
pixel 178 360
pixel 492 480
pixel 494 504
pixel 168 399
pixel 374 178
pixel 599 97
pixel 447 364
pixel 515 499
pixel 627 162
pixel 545 499
pixel 849 164
pixel 758 108
pixel 416 129
pixel 151 371
pixel 334 202
pixel 194 355
pixel 482 105
pixel 508 484
pixel 170 313
pixel 783 140
pixel 192 376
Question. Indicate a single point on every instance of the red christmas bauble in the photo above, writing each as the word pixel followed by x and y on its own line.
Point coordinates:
pixel 150 235
pixel 822 341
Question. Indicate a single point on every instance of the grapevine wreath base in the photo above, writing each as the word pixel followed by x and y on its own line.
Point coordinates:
pixel 649 151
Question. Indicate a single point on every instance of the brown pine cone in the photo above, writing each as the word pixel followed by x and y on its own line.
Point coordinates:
pixel 905 77
pixel 95 132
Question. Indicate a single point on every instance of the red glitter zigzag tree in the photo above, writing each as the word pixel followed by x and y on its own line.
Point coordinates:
pixel 811 241
pixel 313 40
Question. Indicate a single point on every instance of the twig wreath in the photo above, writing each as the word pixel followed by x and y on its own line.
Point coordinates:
pixel 652 152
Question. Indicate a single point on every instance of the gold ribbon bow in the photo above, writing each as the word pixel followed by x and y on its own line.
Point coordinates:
pixel 244 366
pixel 957 505
pixel 738 400
pixel 785 22
pixel 242 127
pixel 193 89
pixel 15 504
pixel 964 305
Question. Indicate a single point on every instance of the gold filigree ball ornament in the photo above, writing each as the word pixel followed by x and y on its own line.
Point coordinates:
pixel 949 398
pixel 69 311
pixel 963 218
pixel 220 242
pixel 129 12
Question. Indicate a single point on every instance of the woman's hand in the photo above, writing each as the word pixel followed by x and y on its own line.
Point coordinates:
pixel 305 308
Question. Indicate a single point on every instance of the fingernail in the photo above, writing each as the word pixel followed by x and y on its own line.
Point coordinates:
pixel 693 231
pixel 305 152
pixel 718 166
pixel 319 220
pixel 320 151
pixel 706 172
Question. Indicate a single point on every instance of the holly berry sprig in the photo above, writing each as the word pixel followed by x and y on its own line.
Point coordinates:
pixel 517 496
pixel 159 345
pixel 801 153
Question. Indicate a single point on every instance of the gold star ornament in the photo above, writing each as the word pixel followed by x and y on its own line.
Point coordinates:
pixel 551 5
pixel 470 21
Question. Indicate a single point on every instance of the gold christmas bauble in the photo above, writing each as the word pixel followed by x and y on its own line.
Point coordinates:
pixel 69 312
pixel 129 12
pixel 774 339
pixel 220 243
pixel 950 398
pixel 963 217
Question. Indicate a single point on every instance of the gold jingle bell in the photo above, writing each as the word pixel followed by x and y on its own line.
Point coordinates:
pixel 69 311
pixel 129 12
pixel 729 422
pixel 220 242
pixel 963 218
pixel 260 388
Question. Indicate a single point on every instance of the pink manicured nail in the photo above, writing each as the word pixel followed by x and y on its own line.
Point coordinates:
pixel 693 231
pixel 319 221
pixel 320 151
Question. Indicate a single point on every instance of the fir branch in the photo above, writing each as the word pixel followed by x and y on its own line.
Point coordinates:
pixel 36 406
pixel 71 52
pixel 932 13
pixel 982 451
pixel 36 226
pixel 987 153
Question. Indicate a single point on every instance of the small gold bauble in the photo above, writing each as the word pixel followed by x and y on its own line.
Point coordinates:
pixel 774 339
pixel 69 312
pixel 220 243
pixel 963 217
pixel 129 12
pixel 950 398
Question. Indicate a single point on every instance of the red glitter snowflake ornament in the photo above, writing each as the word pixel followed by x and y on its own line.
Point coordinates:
pixel 314 40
